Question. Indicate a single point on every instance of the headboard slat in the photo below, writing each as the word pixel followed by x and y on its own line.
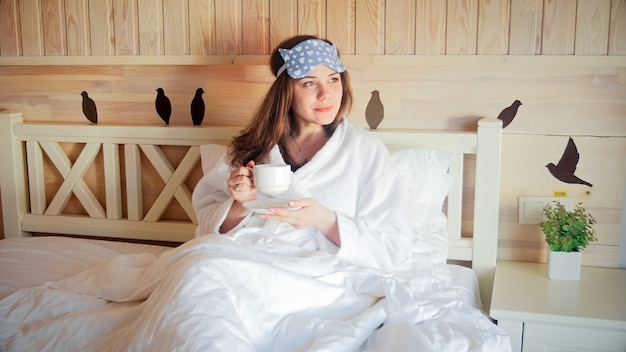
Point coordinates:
pixel 168 231
pixel 460 249
pixel 487 204
pixel 112 180
pixel 134 192
pixel 36 176
pixel 455 199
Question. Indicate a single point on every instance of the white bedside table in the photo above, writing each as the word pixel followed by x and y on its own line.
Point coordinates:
pixel 553 315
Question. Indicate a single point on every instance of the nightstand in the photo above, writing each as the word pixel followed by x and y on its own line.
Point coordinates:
pixel 553 315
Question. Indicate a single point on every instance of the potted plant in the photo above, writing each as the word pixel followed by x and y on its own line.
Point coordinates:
pixel 567 233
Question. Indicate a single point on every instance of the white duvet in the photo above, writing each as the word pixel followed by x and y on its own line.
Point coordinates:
pixel 251 292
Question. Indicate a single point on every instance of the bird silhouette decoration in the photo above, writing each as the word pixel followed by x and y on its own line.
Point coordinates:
pixel 197 108
pixel 508 114
pixel 374 111
pixel 89 108
pixel 564 170
pixel 163 106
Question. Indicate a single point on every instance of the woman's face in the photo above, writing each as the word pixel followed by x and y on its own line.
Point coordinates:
pixel 317 97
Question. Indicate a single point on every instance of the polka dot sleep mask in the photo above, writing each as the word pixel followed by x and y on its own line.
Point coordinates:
pixel 304 57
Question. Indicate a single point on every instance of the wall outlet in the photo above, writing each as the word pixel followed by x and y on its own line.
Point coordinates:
pixel 531 208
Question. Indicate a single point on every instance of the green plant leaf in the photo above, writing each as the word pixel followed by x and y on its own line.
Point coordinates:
pixel 567 231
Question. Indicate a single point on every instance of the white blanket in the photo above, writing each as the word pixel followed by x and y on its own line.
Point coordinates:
pixel 251 292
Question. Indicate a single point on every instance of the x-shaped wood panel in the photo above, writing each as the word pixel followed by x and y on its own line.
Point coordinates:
pixel 174 179
pixel 73 179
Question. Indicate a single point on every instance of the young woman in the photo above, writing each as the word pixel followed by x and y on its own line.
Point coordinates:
pixel 345 187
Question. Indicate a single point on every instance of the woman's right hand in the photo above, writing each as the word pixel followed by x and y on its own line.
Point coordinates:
pixel 241 188
pixel 241 183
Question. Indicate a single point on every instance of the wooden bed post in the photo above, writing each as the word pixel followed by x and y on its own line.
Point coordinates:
pixel 487 205
pixel 12 177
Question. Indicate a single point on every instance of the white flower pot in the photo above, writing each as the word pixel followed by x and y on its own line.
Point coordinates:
pixel 564 265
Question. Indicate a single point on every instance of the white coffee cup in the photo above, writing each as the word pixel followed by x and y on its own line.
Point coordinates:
pixel 272 178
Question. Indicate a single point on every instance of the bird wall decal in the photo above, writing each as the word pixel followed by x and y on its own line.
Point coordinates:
pixel 89 108
pixel 163 106
pixel 197 108
pixel 374 111
pixel 566 167
pixel 508 114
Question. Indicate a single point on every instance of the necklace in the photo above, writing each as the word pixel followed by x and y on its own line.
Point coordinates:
pixel 300 149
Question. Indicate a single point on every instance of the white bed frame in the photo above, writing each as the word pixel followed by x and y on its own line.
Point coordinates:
pixel 26 211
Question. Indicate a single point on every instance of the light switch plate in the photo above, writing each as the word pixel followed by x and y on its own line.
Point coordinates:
pixel 531 208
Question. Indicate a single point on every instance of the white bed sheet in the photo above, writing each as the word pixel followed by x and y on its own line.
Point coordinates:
pixel 32 261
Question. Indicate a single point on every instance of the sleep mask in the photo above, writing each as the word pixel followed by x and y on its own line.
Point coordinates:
pixel 305 56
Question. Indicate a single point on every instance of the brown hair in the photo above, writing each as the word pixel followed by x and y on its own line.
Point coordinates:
pixel 273 120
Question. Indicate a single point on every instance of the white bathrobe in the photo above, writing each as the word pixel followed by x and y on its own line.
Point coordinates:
pixel 353 175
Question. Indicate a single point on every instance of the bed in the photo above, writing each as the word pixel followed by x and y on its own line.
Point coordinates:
pixel 98 281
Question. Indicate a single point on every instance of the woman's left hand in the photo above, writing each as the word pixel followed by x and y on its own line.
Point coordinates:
pixel 309 213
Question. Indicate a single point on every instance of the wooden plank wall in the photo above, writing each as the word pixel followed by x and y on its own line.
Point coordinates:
pixel 361 27
pixel 438 65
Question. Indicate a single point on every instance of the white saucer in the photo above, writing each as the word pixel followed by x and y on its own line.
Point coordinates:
pixel 262 206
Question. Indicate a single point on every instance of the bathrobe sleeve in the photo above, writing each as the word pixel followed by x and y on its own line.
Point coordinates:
pixel 211 200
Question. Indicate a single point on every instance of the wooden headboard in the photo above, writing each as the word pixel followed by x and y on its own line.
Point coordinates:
pixel 125 152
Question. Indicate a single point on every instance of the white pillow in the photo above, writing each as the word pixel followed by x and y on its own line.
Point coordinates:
pixel 210 154
pixel 426 171
pixel 424 174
